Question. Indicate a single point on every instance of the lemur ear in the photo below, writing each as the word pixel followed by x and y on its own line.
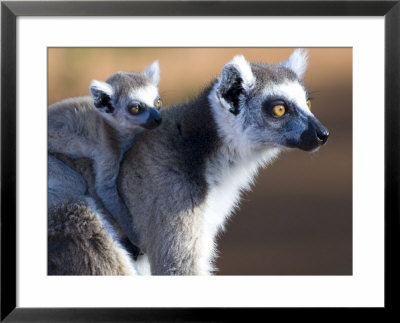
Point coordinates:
pixel 101 93
pixel 297 62
pixel 236 79
pixel 153 72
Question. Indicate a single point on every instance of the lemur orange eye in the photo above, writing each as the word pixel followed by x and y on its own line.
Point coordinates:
pixel 279 110
pixel 309 104
pixel 135 109
pixel 158 103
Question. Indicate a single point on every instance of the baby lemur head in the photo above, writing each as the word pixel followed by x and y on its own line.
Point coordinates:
pixel 266 105
pixel 129 100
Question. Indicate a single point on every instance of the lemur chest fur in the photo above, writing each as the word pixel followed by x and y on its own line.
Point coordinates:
pixel 226 180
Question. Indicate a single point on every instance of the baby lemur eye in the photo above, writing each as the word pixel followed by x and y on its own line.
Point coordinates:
pixel 134 108
pixel 279 110
pixel 309 103
pixel 158 103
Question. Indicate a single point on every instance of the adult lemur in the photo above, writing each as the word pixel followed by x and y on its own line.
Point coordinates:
pixel 102 128
pixel 181 180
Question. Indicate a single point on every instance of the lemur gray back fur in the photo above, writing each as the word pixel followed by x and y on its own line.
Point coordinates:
pixel 63 182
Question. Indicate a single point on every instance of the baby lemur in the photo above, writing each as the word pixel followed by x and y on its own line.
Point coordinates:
pixel 102 127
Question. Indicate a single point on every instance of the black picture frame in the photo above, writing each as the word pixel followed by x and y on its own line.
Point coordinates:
pixel 11 10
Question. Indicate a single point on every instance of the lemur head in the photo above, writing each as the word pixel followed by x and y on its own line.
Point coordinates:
pixel 129 100
pixel 266 105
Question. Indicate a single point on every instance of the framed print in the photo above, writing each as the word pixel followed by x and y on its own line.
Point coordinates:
pixel 285 230
pixel 340 238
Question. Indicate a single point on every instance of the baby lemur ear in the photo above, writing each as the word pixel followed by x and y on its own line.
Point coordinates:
pixel 101 93
pixel 153 72
pixel 297 62
pixel 236 79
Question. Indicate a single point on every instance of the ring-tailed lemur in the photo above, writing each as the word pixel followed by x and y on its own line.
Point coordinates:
pixel 194 166
pixel 102 127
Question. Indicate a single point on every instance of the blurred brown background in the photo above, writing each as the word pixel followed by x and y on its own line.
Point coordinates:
pixel 297 220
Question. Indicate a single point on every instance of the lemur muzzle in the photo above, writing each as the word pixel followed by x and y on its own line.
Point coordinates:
pixel 154 119
pixel 314 136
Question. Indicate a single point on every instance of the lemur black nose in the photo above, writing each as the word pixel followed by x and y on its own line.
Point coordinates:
pixel 153 120
pixel 322 135
pixel 157 119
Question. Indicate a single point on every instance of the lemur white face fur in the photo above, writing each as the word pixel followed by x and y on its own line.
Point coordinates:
pixel 266 105
pixel 129 100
